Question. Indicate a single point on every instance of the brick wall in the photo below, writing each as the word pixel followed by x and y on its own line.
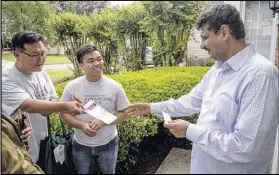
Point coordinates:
pixel 277 50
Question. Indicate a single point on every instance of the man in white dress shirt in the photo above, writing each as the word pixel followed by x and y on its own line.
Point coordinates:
pixel 237 100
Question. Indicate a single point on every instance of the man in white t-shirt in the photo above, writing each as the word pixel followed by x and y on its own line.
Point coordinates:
pixel 26 86
pixel 109 95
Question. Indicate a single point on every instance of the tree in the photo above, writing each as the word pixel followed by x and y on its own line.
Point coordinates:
pixel 184 15
pixel 132 39
pixel 28 15
pixel 80 7
pixel 64 6
pixel 158 20
pixel 169 24
pixel 101 30
pixel 71 31
pixel 89 7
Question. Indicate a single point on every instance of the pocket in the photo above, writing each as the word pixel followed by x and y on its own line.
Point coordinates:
pixel 226 112
pixel 76 145
pixel 113 141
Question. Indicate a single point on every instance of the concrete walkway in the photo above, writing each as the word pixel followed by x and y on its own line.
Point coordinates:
pixel 46 67
pixel 58 66
pixel 176 162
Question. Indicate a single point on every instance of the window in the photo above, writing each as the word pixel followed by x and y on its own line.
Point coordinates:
pixel 258 25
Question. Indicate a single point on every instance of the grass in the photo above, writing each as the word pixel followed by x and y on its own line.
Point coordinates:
pixel 56 75
pixel 50 59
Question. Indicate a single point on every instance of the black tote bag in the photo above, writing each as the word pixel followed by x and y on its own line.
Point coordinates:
pixel 66 138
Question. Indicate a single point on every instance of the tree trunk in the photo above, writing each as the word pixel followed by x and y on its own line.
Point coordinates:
pixel 124 56
pixel 185 52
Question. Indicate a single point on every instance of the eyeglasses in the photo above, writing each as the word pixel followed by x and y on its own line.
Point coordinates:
pixel 35 57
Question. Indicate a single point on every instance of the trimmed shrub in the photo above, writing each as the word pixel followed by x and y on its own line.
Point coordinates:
pixel 150 85
pixel 209 62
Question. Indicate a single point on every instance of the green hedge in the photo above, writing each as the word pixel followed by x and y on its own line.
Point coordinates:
pixel 209 62
pixel 150 85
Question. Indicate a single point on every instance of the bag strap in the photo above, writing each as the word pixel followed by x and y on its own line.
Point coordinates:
pixel 64 132
pixel 48 126
pixel 63 126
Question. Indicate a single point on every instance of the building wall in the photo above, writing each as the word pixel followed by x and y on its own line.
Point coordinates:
pixel 5 24
pixel 277 49
pixel 57 50
pixel 194 44
pixel 258 26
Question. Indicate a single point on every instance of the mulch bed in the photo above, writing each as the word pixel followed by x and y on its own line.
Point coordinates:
pixel 154 150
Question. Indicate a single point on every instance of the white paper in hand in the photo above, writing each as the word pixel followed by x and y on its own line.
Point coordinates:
pixel 167 117
pixel 98 112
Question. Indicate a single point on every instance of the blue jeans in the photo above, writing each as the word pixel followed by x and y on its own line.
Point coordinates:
pixel 107 157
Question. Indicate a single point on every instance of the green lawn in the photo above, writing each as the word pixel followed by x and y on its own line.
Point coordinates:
pixel 50 59
pixel 56 75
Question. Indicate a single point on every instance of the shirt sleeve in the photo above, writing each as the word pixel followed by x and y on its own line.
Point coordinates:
pixel 12 95
pixel 121 98
pixel 256 121
pixel 67 94
pixel 184 106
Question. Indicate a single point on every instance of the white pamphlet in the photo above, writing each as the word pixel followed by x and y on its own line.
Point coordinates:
pixel 93 109
pixel 56 155
pixel 167 117
pixel 59 154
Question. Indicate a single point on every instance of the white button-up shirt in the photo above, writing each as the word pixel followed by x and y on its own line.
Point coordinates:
pixel 238 105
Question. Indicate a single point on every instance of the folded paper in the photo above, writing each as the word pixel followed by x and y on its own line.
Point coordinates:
pixel 93 109
pixel 167 117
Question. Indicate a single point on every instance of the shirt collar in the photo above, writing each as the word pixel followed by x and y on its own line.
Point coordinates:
pixel 23 74
pixel 239 59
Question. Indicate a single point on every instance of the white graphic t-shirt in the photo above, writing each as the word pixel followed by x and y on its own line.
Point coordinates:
pixel 107 93
pixel 18 87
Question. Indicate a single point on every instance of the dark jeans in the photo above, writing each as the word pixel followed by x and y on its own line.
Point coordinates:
pixel 107 157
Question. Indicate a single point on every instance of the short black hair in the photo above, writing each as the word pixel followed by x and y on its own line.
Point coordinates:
pixel 223 14
pixel 21 38
pixel 85 50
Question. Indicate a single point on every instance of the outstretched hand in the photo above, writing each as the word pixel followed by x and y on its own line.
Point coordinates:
pixel 134 110
pixel 74 107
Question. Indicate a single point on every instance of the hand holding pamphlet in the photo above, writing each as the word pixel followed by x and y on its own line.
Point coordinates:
pixel 93 109
pixel 167 117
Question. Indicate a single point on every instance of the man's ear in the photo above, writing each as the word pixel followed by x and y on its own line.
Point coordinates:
pixel 225 31
pixel 15 53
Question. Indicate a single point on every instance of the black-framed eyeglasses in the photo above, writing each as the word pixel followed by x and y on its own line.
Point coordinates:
pixel 35 57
